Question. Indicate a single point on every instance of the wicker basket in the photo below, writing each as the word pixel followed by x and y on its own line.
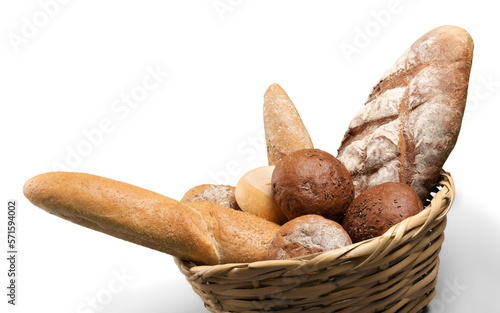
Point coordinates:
pixel 396 272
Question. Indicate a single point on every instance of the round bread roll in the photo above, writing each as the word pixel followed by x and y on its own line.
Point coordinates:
pixel 312 181
pixel 305 235
pixel 219 194
pixel 379 208
pixel 254 195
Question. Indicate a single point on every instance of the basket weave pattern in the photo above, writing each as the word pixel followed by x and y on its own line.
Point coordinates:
pixel 395 272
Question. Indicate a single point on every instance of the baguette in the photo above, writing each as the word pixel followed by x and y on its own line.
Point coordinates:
pixel 201 232
pixel 284 130
pixel 411 120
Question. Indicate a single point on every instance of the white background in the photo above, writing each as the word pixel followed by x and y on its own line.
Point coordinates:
pixel 65 68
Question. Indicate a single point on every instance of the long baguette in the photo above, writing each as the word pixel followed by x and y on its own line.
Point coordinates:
pixel 202 232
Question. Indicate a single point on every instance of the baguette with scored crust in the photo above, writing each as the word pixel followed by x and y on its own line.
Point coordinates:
pixel 202 232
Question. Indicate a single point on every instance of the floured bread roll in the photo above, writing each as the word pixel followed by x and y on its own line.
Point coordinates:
pixel 220 194
pixel 305 235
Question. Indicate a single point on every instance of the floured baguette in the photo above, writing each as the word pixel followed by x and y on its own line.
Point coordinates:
pixel 411 120
pixel 284 129
pixel 202 232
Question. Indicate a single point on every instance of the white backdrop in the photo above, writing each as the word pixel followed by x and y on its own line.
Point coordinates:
pixel 167 95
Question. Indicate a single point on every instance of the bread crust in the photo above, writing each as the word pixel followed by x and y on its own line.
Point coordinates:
pixel 191 232
pixel 220 194
pixel 312 181
pixel 379 208
pixel 411 120
pixel 238 236
pixel 254 195
pixel 285 132
pixel 307 234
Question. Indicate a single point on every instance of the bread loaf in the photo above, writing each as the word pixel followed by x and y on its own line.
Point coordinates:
pixel 411 120
pixel 202 232
pixel 283 126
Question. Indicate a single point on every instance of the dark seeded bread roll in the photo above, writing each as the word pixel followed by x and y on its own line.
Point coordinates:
pixel 312 181
pixel 379 208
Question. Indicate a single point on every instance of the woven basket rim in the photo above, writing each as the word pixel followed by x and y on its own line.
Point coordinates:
pixel 372 249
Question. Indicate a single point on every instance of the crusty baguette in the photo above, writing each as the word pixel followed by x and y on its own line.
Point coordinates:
pixel 238 236
pixel 411 120
pixel 204 233
pixel 220 194
pixel 285 132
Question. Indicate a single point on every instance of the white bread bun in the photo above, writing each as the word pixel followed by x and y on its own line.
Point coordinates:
pixel 254 195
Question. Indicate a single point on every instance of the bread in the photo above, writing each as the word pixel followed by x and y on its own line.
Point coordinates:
pixel 239 237
pixel 312 181
pixel 220 194
pixel 305 235
pixel 379 208
pixel 254 195
pixel 283 126
pixel 202 232
pixel 412 118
